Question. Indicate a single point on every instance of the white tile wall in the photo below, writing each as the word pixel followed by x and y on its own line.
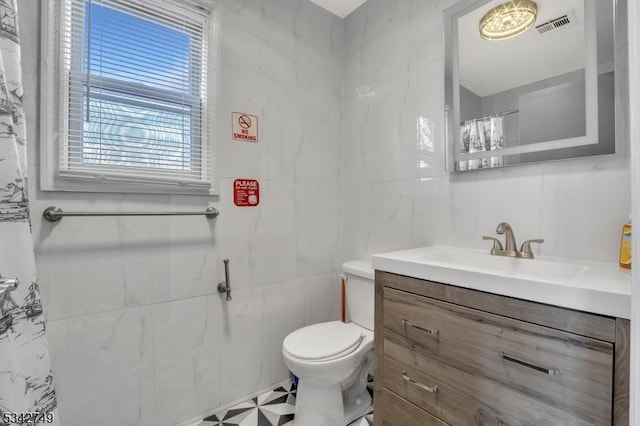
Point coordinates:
pixel 322 299
pixel 350 161
pixel 393 77
pixel 185 346
pixel 283 255
pixel 244 344
pixel 137 331
pixel 286 304
pixel 318 227
pixel 106 365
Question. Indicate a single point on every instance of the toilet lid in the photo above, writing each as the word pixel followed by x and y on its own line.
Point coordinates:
pixel 325 340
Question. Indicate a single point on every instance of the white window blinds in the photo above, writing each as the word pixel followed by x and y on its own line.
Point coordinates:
pixel 134 101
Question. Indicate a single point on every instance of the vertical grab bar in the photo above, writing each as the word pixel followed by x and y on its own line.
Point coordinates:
pixel 225 286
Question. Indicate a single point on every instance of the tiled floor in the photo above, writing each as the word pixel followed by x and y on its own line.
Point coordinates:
pixel 273 408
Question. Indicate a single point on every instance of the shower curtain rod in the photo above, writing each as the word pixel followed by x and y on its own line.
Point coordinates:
pixel 500 114
pixel 54 214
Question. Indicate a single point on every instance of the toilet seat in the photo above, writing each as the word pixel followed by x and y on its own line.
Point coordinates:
pixel 323 342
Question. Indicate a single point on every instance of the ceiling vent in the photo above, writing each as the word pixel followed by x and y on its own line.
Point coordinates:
pixel 555 24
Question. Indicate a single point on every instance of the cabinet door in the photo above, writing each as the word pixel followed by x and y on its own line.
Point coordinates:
pixel 490 367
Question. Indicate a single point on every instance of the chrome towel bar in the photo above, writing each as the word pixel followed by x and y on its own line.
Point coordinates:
pixel 54 214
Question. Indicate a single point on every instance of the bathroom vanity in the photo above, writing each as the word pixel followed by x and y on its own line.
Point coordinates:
pixel 482 344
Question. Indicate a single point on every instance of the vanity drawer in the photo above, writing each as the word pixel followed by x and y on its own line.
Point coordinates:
pixel 564 371
pixel 461 398
pixel 395 411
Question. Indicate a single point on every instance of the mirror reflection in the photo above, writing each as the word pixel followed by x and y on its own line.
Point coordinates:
pixel 538 92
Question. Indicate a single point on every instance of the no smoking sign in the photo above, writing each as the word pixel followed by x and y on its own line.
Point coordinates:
pixel 244 127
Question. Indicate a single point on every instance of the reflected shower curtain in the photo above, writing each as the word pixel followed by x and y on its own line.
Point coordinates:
pixel 494 129
pixel 26 382
pixel 476 144
pixel 481 135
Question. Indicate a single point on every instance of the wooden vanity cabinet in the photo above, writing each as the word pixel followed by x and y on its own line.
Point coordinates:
pixel 454 356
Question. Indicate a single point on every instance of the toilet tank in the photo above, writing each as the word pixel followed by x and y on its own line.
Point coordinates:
pixel 360 292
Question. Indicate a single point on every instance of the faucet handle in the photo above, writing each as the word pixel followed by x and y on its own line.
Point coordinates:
pixel 525 250
pixel 497 245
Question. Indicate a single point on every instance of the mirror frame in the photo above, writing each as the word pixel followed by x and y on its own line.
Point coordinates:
pixel 452 90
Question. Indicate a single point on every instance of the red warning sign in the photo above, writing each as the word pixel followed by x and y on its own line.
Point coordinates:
pixel 244 127
pixel 246 192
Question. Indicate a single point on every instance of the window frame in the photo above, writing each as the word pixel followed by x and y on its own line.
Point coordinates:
pixel 55 123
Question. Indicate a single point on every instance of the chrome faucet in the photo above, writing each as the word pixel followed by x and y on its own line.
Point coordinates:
pixel 509 249
pixel 509 239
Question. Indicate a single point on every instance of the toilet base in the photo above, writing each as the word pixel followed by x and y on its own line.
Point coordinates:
pixel 358 408
pixel 329 405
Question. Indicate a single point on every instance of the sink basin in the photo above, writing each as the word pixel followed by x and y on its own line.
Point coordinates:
pixel 500 265
pixel 601 288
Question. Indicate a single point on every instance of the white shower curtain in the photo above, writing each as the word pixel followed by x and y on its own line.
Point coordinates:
pixel 26 381
pixel 494 129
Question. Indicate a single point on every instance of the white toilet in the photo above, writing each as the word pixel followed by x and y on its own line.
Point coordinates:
pixel 332 359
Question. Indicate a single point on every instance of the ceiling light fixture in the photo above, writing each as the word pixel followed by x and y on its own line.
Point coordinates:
pixel 508 20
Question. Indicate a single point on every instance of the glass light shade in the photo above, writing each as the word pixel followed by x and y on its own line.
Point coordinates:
pixel 508 20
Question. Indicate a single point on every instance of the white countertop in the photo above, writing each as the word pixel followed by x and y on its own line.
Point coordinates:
pixel 601 288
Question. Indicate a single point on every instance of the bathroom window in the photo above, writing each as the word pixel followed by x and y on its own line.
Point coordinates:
pixel 134 94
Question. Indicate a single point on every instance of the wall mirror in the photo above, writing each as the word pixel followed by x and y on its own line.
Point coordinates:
pixel 545 94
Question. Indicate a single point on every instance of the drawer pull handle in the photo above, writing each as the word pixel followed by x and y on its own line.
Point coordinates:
pixel 547 371
pixel 433 331
pixel 431 389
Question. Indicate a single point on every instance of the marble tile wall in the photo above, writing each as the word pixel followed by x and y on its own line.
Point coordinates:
pixel 137 332
pixel 350 161
pixel 397 192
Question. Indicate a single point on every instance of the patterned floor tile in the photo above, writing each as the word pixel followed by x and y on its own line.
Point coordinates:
pixel 366 420
pixel 272 408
